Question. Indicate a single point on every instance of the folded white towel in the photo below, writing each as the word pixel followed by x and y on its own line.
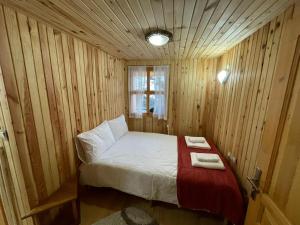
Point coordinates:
pixel 207 157
pixel 204 145
pixel 197 139
pixel 208 165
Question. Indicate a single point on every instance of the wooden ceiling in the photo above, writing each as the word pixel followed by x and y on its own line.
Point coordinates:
pixel 201 28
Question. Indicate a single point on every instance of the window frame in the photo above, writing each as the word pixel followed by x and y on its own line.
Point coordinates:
pixel 148 92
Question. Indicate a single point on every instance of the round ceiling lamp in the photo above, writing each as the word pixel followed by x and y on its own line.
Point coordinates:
pixel 158 37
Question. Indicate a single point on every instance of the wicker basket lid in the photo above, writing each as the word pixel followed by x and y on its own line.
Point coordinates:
pixel 135 216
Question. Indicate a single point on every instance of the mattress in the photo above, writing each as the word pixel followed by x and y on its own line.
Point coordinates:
pixel 141 164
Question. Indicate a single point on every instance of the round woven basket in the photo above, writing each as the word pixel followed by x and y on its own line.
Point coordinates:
pixel 128 216
pixel 135 216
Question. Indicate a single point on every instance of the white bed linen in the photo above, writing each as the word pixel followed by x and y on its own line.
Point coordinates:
pixel 141 164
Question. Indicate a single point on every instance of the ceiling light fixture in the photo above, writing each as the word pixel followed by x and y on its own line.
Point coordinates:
pixel 158 37
pixel 223 76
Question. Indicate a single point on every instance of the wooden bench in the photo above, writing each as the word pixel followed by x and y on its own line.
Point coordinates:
pixel 67 193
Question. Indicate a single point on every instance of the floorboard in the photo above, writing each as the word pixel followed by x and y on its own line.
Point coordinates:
pixel 97 203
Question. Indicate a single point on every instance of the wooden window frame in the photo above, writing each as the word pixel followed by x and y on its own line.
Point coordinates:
pixel 148 92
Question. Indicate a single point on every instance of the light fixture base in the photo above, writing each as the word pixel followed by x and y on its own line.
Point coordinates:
pixel 158 37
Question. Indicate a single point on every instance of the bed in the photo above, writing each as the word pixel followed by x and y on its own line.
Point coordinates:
pixel 158 167
pixel 141 164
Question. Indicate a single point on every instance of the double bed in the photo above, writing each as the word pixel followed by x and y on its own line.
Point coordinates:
pixel 141 164
pixel 158 167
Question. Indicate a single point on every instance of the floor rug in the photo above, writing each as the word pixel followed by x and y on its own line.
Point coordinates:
pixel 128 216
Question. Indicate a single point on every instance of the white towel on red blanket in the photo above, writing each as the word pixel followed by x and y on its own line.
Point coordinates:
pixel 197 139
pixel 207 157
pixel 209 165
pixel 204 145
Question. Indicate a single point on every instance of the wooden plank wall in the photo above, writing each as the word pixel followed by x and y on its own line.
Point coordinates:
pixel 8 202
pixel 3 219
pixel 235 113
pixel 56 86
pixel 285 183
pixel 187 93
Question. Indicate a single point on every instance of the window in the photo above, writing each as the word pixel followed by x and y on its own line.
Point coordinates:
pixel 148 91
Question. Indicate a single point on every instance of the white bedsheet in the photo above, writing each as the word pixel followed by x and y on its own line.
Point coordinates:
pixel 141 164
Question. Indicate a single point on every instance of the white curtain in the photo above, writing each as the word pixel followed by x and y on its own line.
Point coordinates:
pixel 161 85
pixel 137 84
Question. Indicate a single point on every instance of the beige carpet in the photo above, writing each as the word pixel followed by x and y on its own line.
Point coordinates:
pixel 97 203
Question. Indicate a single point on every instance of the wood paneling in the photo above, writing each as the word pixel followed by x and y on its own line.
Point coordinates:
pixel 278 156
pixel 200 27
pixel 14 194
pixel 285 182
pixel 3 219
pixel 236 110
pixel 56 86
pixel 8 211
pixel 187 93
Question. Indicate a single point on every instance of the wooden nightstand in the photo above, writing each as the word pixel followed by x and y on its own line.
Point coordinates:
pixel 67 193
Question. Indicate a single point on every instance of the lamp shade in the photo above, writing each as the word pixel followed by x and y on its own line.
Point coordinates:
pixel 158 37
pixel 223 76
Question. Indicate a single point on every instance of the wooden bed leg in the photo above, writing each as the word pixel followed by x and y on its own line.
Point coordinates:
pixel 75 212
pixel 151 203
pixel 35 220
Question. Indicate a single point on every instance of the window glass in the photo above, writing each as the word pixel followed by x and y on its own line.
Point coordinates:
pixel 138 103
pixel 148 88
pixel 144 103
pixel 151 103
pixel 160 83
pixel 139 83
pixel 152 86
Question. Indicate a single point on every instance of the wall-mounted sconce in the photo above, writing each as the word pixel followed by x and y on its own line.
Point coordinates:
pixel 223 76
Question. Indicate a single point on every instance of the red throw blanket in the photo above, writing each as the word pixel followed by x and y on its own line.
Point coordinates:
pixel 216 191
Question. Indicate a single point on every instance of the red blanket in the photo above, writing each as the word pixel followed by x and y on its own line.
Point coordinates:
pixel 216 191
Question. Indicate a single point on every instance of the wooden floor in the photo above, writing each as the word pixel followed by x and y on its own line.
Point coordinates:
pixel 97 203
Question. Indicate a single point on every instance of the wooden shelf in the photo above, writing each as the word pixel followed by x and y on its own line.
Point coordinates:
pixel 65 194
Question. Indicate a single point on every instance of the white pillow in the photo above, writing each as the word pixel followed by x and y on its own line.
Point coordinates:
pixel 96 141
pixel 79 149
pixel 104 132
pixel 90 144
pixel 118 127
